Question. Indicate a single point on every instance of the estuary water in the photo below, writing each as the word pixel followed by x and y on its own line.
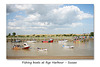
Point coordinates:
pixel 53 49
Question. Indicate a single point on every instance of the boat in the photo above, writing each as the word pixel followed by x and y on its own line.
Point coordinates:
pixel 67 46
pixel 26 46
pixel 77 41
pixel 16 41
pixel 41 49
pixel 50 41
pixel 16 47
pixel 63 41
pixel 32 41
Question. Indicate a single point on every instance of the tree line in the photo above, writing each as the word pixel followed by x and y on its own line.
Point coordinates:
pixel 56 35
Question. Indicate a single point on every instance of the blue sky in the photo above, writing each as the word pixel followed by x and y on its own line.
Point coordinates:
pixel 50 18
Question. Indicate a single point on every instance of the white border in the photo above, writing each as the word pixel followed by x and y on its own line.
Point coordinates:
pixel 15 63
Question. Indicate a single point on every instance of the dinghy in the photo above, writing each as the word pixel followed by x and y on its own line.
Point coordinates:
pixel 41 49
pixel 67 46
pixel 63 41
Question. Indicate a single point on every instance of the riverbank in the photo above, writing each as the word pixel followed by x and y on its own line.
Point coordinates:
pixel 51 57
pixel 40 39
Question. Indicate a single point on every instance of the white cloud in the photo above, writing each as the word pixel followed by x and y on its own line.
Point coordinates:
pixel 19 16
pixel 51 13
pixel 46 17
pixel 59 29
pixel 37 27
pixel 18 7
pixel 83 15
pixel 23 28
pixel 32 17
pixel 43 24
pixel 10 27
pixel 23 7
pixel 12 24
pixel 76 24
pixel 68 14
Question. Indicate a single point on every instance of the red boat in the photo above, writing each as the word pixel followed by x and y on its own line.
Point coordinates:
pixel 50 41
pixel 26 46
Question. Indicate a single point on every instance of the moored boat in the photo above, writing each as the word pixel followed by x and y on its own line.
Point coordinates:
pixel 63 41
pixel 41 49
pixel 31 41
pixel 50 41
pixel 18 47
pixel 67 46
pixel 26 46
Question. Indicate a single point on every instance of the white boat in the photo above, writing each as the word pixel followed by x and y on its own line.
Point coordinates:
pixel 31 41
pixel 41 49
pixel 26 46
pixel 63 41
pixel 67 46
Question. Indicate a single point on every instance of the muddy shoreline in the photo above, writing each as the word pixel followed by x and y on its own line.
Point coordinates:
pixel 51 57
pixel 41 39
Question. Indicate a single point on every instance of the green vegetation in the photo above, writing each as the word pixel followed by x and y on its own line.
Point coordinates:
pixel 9 34
pixel 27 36
pixel 49 35
pixel 37 36
pixel 92 34
pixel 13 33
pixel 71 34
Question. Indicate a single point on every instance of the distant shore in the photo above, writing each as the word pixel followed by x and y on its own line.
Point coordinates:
pixel 40 39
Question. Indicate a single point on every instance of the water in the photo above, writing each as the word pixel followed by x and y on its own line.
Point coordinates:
pixel 54 49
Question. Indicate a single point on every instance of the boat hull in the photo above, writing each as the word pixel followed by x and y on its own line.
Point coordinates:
pixel 25 47
pixel 47 41
pixel 16 48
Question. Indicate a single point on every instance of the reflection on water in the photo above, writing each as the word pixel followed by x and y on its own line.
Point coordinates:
pixel 53 49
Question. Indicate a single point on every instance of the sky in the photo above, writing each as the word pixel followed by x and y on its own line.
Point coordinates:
pixel 49 18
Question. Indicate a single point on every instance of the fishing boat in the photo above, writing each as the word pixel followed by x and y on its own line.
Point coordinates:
pixel 67 46
pixel 26 46
pixel 16 47
pixel 41 49
pixel 63 41
pixel 50 41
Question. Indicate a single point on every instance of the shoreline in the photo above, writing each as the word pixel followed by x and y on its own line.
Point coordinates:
pixel 51 57
pixel 47 39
